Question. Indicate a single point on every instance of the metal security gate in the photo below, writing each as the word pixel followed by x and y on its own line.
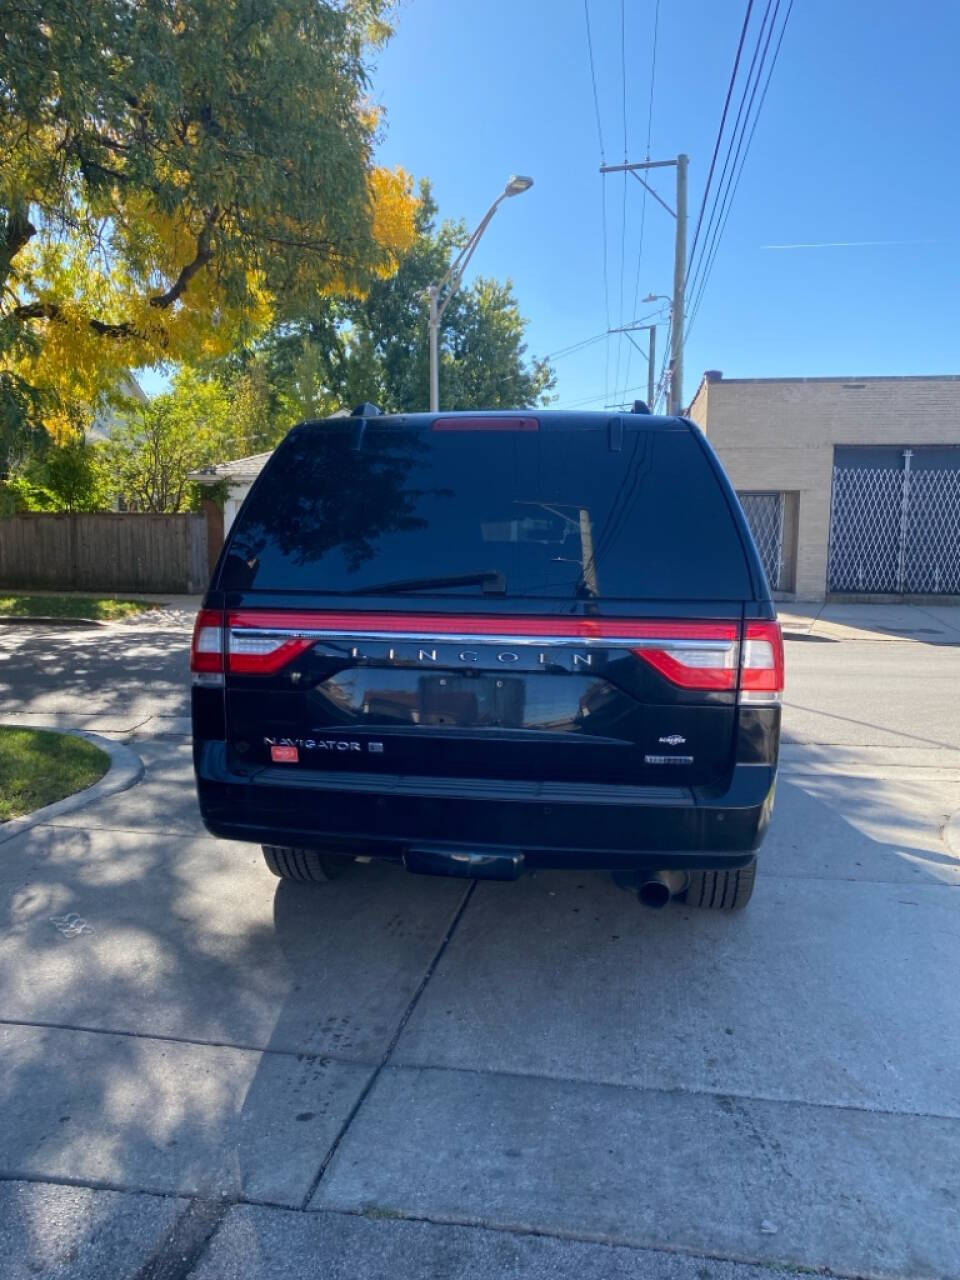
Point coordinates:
pixel 764 512
pixel 895 531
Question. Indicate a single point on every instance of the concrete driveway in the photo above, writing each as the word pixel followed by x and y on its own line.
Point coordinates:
pixel 205 1074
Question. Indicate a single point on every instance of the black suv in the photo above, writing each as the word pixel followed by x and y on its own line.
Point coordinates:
pixel 483 642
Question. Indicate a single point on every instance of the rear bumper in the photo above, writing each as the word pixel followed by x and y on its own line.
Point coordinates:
pixel 552 824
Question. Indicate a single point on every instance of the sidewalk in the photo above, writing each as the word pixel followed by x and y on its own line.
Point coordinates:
pixel 176 612
pixel 928 624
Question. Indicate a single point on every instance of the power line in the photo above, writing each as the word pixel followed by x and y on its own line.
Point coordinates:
pixel 619 509
pixel 623 207
pixel 723 121
pixel 736 140
pixel 753 129
pixel 695 270
pixel 575 404
pixel 574 347
pixel 623 71
pixel 593 78
pixel 725 214
pixel 653 74
pixel 643 202
pixel 603 189
pixel 711 242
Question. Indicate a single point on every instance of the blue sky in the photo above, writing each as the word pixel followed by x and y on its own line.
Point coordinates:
pixel 856 142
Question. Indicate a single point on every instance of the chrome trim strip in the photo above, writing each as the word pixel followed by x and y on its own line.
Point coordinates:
pixel 534 642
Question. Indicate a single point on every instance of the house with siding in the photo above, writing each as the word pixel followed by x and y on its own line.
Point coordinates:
pixel 237 475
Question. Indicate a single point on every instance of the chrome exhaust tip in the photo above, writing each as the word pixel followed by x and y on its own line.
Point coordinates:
pixel 660 886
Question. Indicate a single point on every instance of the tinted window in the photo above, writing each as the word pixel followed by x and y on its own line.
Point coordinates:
pixel 555 513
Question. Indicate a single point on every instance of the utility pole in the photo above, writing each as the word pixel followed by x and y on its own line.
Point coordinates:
pixel 679 289
pixel 651 355
pixel 678 312
pixel 651 369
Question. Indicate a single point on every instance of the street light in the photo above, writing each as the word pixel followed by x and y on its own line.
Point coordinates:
pixel 516 186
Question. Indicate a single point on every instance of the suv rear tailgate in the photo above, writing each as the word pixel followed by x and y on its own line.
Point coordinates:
pixel 488 597
pixel 589 700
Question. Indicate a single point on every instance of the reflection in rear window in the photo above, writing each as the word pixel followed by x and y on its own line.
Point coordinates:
pixel 554 514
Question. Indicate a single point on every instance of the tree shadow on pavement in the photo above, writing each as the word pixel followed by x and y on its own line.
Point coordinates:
pixel 161 1032
pixel 174 1021
pixel 108 673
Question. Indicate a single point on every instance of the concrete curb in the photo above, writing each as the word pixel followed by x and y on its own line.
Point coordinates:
pixel 42 620
pixel 126 769
pixel 790 634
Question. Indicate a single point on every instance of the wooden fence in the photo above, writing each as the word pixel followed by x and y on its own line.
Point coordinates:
pixel 110 552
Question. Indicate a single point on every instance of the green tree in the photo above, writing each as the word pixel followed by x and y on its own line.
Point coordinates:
pixel 68 477
pixel 175 174
pixel 375 348
pixel 256 423
pixel 482 355
pixel 151 452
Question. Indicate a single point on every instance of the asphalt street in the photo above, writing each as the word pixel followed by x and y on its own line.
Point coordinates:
pixel 204 1073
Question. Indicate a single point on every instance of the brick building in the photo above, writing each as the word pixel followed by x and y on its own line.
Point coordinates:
pixel 852 485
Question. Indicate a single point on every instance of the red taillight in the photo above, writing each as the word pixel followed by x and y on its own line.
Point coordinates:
pixel 206 651
pixel 719 671
pixel 762 673
pixel 698 655
pixel 486 424
pixel 691 665
pixel 262 655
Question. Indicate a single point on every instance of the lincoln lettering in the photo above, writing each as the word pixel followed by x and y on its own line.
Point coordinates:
pixel 525 655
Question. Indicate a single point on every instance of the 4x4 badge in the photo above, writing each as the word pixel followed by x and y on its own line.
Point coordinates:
pixel 673 739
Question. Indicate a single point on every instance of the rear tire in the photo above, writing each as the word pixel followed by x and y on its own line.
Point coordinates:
pixel 721 890
pixel 308 865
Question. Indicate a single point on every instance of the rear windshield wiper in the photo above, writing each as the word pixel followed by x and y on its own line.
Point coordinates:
pixel 493 582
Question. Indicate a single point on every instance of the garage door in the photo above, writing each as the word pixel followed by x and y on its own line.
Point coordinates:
pixel 895 529
pixel 764 512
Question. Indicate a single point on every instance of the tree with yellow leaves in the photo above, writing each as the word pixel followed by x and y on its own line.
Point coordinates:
pixel 175 175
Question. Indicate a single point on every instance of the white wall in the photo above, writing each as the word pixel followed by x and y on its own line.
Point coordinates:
pixel 235 496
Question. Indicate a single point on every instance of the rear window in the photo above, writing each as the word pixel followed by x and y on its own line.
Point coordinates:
pixel 552 514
